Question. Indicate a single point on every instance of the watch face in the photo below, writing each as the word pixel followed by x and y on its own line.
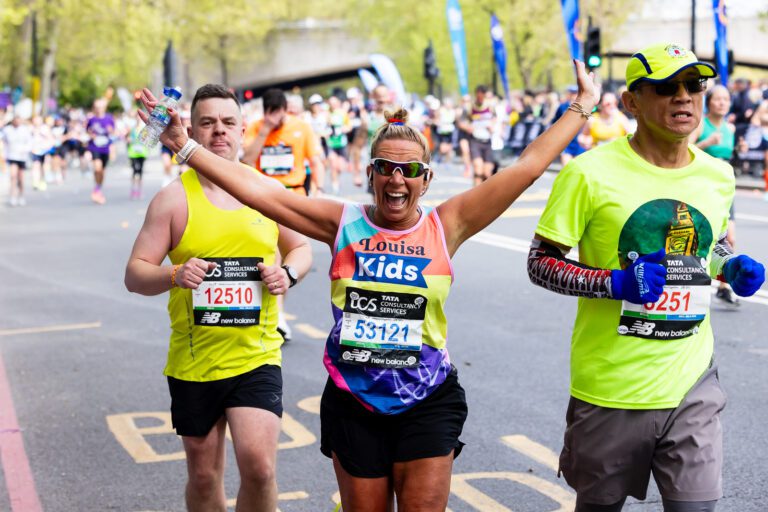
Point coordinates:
pixel 291 273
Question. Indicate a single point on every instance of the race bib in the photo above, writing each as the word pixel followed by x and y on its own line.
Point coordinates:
pixel 230 294
pixel 681 308
pixel 382 329
pixel 277 160
pixel 481 131
pixel 101 141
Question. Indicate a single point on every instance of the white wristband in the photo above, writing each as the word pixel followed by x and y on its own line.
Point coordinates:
pixel 186 152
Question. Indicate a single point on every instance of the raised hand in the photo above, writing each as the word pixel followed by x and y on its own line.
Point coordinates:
pixel 175 135
pixel 589 90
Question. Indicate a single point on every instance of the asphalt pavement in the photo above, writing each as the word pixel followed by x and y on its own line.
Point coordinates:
pixel 84 421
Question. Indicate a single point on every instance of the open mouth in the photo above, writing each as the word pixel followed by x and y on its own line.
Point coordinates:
pixel 681 115
pixel 395 199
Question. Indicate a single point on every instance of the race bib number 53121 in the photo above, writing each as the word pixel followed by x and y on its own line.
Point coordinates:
pixel 230 294
pixel 382 329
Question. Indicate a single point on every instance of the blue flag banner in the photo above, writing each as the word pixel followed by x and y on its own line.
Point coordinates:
pixel 369 79
pixel 721 41
pixel 573 27
pixel 499 52
pixel 458 43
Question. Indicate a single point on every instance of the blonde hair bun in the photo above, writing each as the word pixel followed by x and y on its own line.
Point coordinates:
pixel 398 116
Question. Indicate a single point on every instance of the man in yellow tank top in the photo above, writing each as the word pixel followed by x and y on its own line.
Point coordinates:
pixel 224 356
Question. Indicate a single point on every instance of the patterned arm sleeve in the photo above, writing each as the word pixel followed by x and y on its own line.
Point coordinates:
pixel 549 268
pixel 720 256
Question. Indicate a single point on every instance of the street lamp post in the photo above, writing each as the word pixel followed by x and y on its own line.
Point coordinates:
pixel 693 26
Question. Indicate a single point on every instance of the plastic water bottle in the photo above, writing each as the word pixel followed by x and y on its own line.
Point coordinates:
pixel 159 118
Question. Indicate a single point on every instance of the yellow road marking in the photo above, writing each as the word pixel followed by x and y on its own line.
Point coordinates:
pixel 50 328
pixel 133 438
pixel 311 331
pixel 532 449
pixel 481 501
pixel 521 212
pixel 310 404
pixel 298 433
pixel 283 496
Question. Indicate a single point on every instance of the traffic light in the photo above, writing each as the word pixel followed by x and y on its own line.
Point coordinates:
pixel 431 71
pixel 592 53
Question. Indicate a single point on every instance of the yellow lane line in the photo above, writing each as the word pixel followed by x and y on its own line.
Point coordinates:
pixel 521 212
pixel 532 449
pixel 50 328
pixel 311 331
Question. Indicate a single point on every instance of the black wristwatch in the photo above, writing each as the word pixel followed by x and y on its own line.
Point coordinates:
pixel 292 275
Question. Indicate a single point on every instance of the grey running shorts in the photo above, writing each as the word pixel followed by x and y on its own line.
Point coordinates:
pixel 609 454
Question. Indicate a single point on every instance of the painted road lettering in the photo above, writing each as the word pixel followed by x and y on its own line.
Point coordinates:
pixel 135 440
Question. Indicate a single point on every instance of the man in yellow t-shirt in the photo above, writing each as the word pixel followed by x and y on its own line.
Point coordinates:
pixel 649 214
pixel 224 357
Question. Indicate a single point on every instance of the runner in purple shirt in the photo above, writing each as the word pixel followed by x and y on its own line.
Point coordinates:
pixel 100 128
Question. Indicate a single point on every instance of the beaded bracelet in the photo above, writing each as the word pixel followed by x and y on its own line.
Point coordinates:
pixel 579 109
pixel 173 276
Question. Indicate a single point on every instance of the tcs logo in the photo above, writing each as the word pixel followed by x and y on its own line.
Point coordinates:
pixel 216 272
pixel 358 303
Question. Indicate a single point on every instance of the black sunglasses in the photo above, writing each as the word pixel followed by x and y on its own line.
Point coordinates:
pixel 407 169
pixel 692 85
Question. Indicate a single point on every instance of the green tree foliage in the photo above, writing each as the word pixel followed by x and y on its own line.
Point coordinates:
pixel 89 45
pixel 227 33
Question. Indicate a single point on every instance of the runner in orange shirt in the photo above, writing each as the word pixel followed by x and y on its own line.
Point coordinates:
pixel 282 145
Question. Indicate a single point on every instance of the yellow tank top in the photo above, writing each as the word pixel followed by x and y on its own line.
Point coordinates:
pixel 228 326
pixel 603 131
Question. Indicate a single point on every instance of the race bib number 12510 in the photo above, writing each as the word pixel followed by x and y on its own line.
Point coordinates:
pixel 230 295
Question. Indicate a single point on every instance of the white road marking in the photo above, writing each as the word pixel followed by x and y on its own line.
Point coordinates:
pixel 50 328
pixel 749 216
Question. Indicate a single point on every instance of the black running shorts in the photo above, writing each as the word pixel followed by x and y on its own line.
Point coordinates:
pixel 367 444
pixel 197 406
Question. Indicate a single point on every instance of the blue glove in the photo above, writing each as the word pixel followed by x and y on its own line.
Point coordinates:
pixel 744 274
pixel 643 281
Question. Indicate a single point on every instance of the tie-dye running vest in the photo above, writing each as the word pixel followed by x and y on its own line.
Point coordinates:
pixel 388 291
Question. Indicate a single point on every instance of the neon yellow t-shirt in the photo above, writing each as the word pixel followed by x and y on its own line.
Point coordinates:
pixel 614 206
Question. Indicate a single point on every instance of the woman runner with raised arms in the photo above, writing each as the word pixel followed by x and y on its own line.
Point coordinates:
pixel 393 409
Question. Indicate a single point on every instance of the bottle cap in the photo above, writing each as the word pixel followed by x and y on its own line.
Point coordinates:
pixel 173 92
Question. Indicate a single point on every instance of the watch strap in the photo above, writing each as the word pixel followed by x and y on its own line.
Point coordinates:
pixel 290 273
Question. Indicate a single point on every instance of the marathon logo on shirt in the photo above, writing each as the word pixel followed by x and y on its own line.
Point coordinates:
pixel 390 268
pixel 398 359
pixel 373 303
pixel 234 269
